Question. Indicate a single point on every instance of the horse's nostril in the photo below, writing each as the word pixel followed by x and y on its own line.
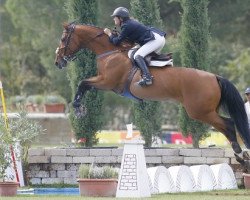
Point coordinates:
pixel 56 63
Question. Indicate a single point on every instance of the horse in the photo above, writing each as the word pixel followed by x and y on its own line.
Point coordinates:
pixel 201 93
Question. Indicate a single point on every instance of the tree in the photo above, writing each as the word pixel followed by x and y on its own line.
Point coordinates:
pixel 31 46
pixel 85 11
pixel 238 70
pixel 195 53
pixel 147 114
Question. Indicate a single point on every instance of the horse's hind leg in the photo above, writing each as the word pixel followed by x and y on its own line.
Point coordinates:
pixel 230 133
pixel 225 126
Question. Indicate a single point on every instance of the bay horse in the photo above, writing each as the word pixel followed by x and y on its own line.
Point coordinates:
pixel 201 93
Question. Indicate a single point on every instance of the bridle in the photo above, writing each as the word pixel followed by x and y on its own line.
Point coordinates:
pixel 66 47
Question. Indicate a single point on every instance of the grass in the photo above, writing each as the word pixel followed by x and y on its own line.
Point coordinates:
pixel 213 195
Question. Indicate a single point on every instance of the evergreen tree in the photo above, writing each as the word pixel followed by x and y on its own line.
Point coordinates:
pixel 147 114
pixel 194 53
pixel 85 11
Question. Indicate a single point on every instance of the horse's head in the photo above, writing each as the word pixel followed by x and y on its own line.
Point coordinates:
pixel 83 36
pixel 68 46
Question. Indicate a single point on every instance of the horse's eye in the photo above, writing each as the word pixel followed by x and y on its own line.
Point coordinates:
pixel 62 39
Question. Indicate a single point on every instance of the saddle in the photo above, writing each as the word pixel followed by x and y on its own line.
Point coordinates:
pixel 159 60
pixel 154 59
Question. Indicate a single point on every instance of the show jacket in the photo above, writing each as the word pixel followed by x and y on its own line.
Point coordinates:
pixel 135 32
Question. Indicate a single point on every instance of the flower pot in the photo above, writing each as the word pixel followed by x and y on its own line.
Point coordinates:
pixel 8 188
pixel 54 108
pixel 98 187
pixel 246 178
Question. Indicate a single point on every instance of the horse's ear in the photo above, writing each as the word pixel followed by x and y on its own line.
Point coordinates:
pixel 65 25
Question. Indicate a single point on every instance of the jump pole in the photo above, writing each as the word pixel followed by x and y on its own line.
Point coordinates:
pixel 7 127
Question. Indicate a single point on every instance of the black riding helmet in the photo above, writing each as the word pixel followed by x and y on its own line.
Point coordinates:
pixel 121 12
pixel 247 90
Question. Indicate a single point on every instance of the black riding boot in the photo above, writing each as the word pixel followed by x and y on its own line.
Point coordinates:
pixel 146 76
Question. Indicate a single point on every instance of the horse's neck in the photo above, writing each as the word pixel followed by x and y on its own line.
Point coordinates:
pixel 93 39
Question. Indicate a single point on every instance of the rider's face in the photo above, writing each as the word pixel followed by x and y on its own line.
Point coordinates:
pixel 117 21
pixel 248 97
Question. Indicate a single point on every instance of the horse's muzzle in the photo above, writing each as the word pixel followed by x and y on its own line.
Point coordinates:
pixel 61 63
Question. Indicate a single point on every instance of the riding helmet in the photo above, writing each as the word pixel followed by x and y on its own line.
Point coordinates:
pixel 247 90
pixel 120 12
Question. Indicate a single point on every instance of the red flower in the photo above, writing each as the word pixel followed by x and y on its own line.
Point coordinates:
pixel 81 140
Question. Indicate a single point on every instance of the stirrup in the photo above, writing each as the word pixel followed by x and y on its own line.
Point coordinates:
pixel 145 81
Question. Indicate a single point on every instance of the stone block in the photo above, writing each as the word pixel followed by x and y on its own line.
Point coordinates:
pixel 67 174
pixel 83 160
pixel 61 159
pixel 70 181
pixel 52 174
pixel 172 159
pixel 71 167
pixel 233 161
pixel 45 166
pixel 229 153
pixel 55 152
pixel 36 152
pixel 149 152
pixel 194 160
pixel 57 167
pixel 40 174
pixel 78 152
pixel 167 152
pixel 117 152
pixel 190 152
pixel 153 159
pixel 39 159
pixel 210 152
pixel 34 167
pixel 31 173
pixel 101 159
pixel 52 180
pixel 119 159
pixel 100 152
pixel 35 181
pixel 212 161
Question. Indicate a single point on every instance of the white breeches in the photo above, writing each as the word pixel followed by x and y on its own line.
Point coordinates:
pixel 151 46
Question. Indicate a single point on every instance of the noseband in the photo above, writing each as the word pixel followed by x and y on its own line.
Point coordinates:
pixel 69 32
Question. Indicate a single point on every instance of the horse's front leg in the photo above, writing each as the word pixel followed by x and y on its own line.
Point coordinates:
pixel 83 87
pixel 80 110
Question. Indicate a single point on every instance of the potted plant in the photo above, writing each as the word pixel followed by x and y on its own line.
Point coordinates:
pixel 54 104
pixel 17 101
pixel 34 102
pixel 97 181
pixel 20 130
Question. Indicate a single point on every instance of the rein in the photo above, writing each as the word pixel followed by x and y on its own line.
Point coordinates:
pixel 72 57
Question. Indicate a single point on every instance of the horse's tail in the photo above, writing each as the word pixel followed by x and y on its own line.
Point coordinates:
pixel 232 102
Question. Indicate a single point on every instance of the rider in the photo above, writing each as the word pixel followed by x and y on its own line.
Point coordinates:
pixel 150 39
pixel 247 104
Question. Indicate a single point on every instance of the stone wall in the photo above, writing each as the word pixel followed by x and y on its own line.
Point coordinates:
pixel 50 166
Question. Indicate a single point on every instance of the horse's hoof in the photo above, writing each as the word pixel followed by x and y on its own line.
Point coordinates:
pixel 246 155
pixel 80 111
pixel 236 147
